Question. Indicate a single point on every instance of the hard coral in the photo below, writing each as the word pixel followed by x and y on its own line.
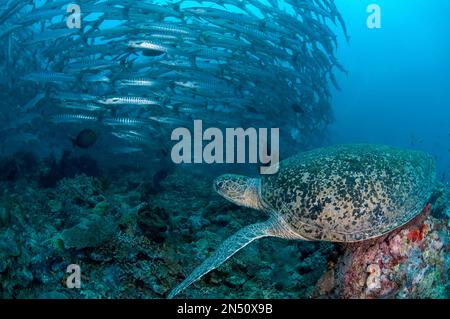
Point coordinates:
pixel 409 262
pixel 154 222
pixel 82 190
pixel 90 232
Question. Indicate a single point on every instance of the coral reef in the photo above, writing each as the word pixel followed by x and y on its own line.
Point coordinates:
pixel 90 232
pixel 154 222
pixel 134 239
pixel 410 262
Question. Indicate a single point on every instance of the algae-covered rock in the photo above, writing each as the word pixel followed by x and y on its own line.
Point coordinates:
pixel 154 222
pixel 9 244
pixel 90 232
pixel 54 205
pixel 4 217
pixel 101 208
pixel 410 262
pixel 9 249
pixel 81 190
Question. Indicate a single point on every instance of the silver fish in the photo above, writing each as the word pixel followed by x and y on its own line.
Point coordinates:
pixel 131 100
pixel 48 77
pixel 138 82
pixel 72 118
pixel 127 150
pixel 33 102
pixel 126 121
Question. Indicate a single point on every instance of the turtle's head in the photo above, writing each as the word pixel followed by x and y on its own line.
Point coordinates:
pixel 241 190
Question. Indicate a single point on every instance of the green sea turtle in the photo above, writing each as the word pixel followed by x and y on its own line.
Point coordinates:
pixel 345 193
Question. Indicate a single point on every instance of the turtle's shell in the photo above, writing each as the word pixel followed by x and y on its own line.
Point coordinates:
pixel 349 193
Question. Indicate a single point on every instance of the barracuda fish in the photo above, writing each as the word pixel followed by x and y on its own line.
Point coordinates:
pixel 80 50
pixel 127 150
pixel 13 8
pixel 71 96
pixel 6 31
pixel 40 14
pixel 253 33
pixel 133 137
pixel 168 28
pixel 213 15
pixel 210 53
pixel 153 48
pixel 96 78
pixel 225 41
pixel 48 77
pixel 126 121
pixel 163 38
pixel 51 35
pixel 73 118
pixel 90 65
pixel 111 33
pixel 182 64
pixel 127 100
pixel 208 88
pixel 53 4
pixel 169 10
pixel 33 102
pixel 147 65
pixel 169 120
pixel 139 82
pixel 81 106
pixel 193 100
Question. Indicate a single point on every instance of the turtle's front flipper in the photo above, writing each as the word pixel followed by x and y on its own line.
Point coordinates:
pixel 227 249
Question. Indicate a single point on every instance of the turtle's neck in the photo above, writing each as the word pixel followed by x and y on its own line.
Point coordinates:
pixel 252 194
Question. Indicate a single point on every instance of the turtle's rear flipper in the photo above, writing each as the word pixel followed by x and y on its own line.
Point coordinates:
pixel 227 249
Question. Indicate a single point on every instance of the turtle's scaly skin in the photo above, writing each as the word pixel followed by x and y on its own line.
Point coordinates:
pixel 349 193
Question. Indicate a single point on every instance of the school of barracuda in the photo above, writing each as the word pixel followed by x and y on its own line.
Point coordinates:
pixel 139 68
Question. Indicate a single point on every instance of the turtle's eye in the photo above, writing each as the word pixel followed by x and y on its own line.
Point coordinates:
pixel 219 185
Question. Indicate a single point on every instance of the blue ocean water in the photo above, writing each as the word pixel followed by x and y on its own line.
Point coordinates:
pixel 397 90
